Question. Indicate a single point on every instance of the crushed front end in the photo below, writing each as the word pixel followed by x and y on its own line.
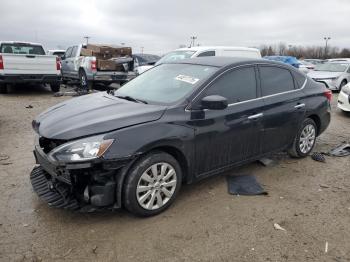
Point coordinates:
pixel 82 185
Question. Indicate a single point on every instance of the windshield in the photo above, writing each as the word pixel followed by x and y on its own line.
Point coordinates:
pixel 331 67
pixel 166 83
pixel 22 48
pixel 175 55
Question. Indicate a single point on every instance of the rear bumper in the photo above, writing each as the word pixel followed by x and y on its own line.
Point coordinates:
pixel 12 79
pixel 113 77
pixel 344 102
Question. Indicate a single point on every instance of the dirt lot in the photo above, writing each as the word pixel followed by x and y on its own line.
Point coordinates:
pixel 311 200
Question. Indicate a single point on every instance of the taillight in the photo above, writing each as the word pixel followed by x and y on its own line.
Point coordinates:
pixel 328 94
pixel 58 64
pixel 1 62
pixel 93 65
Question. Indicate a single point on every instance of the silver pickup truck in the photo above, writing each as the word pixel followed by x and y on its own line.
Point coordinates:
pixel 27 63
pixel 84 69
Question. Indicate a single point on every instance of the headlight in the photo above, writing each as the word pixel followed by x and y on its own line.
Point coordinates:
pixel 81 150
pixel 346 89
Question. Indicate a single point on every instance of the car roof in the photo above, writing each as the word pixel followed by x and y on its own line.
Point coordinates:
pixel 222 61
pixel 202 48
pixel 19 42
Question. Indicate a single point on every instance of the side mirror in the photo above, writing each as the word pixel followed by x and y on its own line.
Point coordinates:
pixel 214 102
pixel 63 57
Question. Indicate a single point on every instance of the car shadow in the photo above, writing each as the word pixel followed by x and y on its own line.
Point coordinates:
pixel 26 89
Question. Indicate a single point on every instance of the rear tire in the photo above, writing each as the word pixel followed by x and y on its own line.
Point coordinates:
pixel 85 84
pixel 3 89
pixel 304 140
pixel 55 87
pixel 343 83
pixel 152 184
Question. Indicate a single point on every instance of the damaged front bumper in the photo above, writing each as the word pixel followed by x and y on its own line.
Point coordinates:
pixel 85 186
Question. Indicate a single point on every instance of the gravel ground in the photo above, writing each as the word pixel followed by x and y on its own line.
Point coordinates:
pixel 309 199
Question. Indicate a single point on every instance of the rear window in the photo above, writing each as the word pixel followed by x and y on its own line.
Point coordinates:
pixel 22 48
pixel 275 80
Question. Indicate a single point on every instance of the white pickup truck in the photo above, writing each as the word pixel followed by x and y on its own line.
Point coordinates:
pixel 27 63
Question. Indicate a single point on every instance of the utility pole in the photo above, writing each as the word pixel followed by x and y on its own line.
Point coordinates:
pixel 142 49
pixel 193 38
pixel 326 38
pixel 87 39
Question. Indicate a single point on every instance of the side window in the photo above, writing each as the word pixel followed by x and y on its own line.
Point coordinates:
pixel 275 80
pixel 237 85
pixel 68 52
pixel 74 51
pixel 299 78
pixel 348 70
pixel 207 53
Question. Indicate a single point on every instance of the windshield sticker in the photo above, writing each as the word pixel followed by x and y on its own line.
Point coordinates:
pixel 187 79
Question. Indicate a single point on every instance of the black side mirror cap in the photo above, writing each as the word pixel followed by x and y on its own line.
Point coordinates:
pixel 214 102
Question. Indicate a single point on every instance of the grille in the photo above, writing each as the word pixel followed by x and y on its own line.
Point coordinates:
pixel 48 144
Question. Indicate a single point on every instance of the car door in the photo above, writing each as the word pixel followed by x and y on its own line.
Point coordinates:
pixel 65 64
pixel 284 107
pixel 71 62
pixel 228 136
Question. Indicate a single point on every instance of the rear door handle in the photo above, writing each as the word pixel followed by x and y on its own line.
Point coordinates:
pixel 256 116
pixel 299 106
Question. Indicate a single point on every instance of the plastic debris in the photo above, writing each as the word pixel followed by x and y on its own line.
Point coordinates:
pixel 278 227
pixel 341 150
pixel 318 157
pixel 267 161
pixel 326 247
pixel 244 185
pixel 29 106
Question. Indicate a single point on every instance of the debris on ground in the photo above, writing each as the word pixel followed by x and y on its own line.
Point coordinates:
pixel 4 157
pixel 338 151
pixel 244 185
pixel 318 157
pixel 326 247
pixel 268 162
pixel 341 150
pixel 278 227
pixel 29 106
pixel 324 186
pixel 94 250
pixel 68 252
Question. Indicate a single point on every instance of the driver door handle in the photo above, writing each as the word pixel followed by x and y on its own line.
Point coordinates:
pixel 299 106
pixel 256 116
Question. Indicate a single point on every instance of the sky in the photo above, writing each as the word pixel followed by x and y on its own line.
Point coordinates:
pixel 160 26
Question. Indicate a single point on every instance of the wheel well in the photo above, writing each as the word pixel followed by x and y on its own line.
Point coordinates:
pixel 317 121
pixel 178 155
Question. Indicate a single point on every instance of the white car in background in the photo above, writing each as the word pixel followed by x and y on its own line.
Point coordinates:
pixel 200 51
pixel 334 75
pixel 56 52
pixel 344 98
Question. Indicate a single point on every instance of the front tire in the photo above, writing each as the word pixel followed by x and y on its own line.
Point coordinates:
pixel 152 184
pixel 305 139
pixel 343 83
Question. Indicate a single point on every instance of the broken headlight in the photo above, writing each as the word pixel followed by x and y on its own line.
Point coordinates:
pixel 81 150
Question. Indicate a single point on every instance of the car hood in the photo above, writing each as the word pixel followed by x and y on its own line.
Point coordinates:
pixel 323 74
pixel 93 114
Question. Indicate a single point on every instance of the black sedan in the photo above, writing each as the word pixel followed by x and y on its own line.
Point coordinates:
pixel 177 123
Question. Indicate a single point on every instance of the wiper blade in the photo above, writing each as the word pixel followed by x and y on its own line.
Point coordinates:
pixel 129 98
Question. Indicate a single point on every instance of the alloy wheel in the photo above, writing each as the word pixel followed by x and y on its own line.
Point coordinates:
pixel 156 186
pixel 307 138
